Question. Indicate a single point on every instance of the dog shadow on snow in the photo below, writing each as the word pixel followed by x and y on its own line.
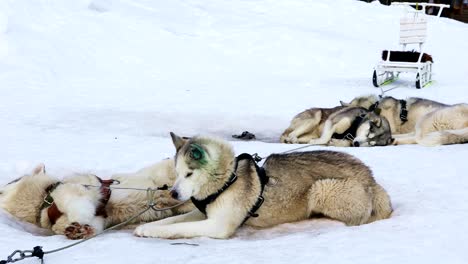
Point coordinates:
pixel 311 227
pixel 12 223
pixel 316 227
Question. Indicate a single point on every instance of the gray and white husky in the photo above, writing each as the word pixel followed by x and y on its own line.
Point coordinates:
pixel 420 121
pixel 338 126
pixel 71 208
pixel 229 191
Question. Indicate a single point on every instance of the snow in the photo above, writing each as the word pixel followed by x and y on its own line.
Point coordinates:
pixel 96 85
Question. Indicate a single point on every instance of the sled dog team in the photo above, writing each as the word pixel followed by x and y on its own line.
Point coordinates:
pixel 370 121
pixel 222 191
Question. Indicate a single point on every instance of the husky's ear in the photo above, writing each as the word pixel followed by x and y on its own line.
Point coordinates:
pixel 374 119
pixel 40 169
pixel 377 121
pixel 344 104
pixel 178 141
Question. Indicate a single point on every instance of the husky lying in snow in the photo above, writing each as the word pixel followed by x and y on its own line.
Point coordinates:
pixel 70 208
pixel 420 121
pixel 230 191
pixel 338 126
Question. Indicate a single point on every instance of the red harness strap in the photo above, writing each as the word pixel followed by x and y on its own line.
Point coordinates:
pixel 54 213
pixel 106 193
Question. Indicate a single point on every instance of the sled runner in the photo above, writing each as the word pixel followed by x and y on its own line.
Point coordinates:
pixel 413 31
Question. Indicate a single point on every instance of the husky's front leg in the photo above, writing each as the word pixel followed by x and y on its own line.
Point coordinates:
pixel 207 228
pixel 405 140
pixel 192 216
pixel 327 133
pixel 145 229
pixel 339 143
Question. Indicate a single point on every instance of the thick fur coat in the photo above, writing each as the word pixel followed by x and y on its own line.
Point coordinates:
pixel 301 185
pixel 78 203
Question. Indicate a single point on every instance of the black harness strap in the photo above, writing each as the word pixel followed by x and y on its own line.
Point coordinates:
pixel 201 204
pixel 263 181
pixel 48 199
pixel 374 106
pixel 48 203
pixel 403 112
pixel 350 133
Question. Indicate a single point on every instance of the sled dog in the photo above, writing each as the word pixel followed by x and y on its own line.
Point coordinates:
pixel 338 126
pixel 420 121
pixel 229 191
pixel 78 211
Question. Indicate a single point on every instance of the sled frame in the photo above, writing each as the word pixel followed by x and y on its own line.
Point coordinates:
pixel 413 31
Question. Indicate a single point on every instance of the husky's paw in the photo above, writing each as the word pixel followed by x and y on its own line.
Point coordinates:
pixel 78 231
pixel 291 139
pixel 164 199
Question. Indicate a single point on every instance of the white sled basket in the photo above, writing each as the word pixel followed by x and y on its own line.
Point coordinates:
pixel 413 31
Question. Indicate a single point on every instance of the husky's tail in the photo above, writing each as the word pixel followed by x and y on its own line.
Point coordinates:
pixel 381 204
pixel 445 137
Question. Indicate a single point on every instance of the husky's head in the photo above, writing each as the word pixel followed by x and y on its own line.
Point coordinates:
pixel 202 166
pixel 23 196
pixel 374 130
pixel 366 101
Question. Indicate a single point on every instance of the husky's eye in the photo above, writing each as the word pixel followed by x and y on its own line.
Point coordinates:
pixel 195 154
pixel 188 174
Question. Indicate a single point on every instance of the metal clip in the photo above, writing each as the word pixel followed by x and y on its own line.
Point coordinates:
pixel 150 197
pixel 49 200
pixel 115 182
pixel 349 137
pixel 256 157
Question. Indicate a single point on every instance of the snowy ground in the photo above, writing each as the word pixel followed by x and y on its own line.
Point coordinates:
pixel 97 85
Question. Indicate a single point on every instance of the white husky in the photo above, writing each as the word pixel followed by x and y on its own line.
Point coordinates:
pixel 230 191
pixel 69 207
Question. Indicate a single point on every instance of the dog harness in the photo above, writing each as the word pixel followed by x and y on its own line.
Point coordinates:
pixel 350 133
pixel 54 213
pixel 374 107
pixel 403 112
pixel 202 204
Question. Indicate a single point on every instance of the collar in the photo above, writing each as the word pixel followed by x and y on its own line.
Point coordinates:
pixel 403 112
pixel 201 204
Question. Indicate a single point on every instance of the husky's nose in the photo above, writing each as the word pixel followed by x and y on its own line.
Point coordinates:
pixel 174 194
pixel 356 143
